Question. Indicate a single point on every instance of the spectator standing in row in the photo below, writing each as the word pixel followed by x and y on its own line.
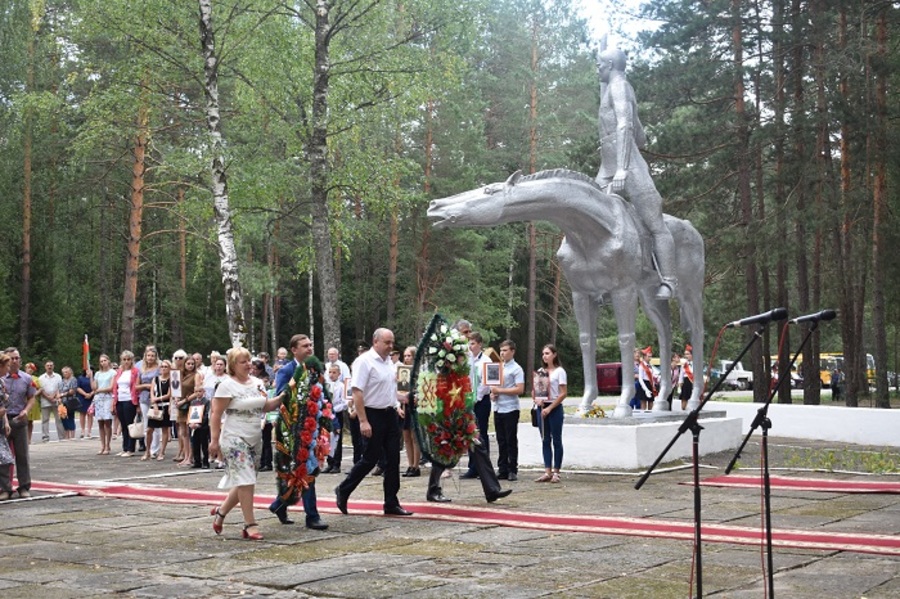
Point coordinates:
pixel 85 392
pixel 21 393
pixel 49 389
pixel 103 402
pixel 552 414
pixel 506 412
pixel 69 401
pixel 126 399
pixel 160 397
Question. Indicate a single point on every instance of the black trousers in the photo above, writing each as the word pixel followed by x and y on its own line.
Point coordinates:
pixel 355 438
pixel 482 417
pixel 125 412
pixel 507 428
pixel 265 459
pixel 480 462
pixel 384 442
pixel 339 441
pixel 200 445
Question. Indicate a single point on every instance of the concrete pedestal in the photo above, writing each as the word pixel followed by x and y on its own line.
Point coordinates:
pixel 629 443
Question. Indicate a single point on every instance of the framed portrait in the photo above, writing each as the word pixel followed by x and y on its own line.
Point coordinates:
pixel 541 386
pixel 175 383
pixel 195 415
pixel 404 376
pixel 492 374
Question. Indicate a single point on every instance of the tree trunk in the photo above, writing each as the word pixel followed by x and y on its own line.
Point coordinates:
pixel 318 168
pixel 532 230
pixel 25 298
pixel 228 259
pixel 880 212
pixel 422 278
pixel 745 198
pixel 135 224
pixel 781 266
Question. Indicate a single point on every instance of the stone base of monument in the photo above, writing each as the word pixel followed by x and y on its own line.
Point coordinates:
pixel 630 443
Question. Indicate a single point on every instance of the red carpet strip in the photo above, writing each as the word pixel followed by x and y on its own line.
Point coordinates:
pixel 497 516
pixel 804 484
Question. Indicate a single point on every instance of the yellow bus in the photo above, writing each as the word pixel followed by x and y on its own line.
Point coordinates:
pixel 830 361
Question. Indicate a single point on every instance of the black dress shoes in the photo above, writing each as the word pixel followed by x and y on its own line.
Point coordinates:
pixel 469 474
pixel 340 500
pixel 378 471
pixel 499 495
pixel 512 476
pixel 412 472
pixel 279 508
pixel 265 468
pixel 439 498
pixel 396 511
pixel 328 470
pixel 317 524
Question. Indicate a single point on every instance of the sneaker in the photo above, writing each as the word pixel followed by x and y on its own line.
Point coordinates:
pixel 4 495
pixel 24 493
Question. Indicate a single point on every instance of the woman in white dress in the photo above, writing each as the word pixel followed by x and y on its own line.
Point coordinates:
pixel 236 438
pixel 103 402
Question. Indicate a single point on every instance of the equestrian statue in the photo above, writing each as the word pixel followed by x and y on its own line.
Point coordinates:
pixel 607 257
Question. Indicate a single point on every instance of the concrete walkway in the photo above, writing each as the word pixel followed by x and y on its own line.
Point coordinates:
pixel 80 546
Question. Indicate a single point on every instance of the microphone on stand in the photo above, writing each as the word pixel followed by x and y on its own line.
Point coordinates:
pixel 764 318
pixel 823 315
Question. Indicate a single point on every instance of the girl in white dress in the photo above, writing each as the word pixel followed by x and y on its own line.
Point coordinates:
pixel 237 408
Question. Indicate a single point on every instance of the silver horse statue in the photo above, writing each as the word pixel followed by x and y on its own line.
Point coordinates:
pixel 606 256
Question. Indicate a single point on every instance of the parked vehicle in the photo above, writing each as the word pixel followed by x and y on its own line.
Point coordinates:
pixel 609 378
pixel 738 379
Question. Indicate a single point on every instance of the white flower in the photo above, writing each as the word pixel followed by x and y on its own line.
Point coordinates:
pixel 451 358
pixel 440 364
pixel 432 350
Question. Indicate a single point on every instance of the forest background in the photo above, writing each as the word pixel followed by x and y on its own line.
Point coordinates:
pixel 772 125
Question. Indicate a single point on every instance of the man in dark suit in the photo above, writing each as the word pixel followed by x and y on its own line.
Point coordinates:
pixel 302 348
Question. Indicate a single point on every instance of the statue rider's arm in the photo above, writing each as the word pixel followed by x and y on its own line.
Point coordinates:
pixel 623 108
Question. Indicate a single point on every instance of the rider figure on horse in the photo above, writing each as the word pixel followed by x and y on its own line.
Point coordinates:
pixel 623 169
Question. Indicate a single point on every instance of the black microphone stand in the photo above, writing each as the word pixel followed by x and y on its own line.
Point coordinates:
pixel 762 421
pixel 691 423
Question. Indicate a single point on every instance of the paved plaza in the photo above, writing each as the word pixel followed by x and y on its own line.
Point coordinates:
pixel 68 542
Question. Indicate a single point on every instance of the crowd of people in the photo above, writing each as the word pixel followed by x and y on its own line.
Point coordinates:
pixel 224 415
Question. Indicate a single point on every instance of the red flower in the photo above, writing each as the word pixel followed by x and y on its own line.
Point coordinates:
pixel 306 438
pixel 309 424
pixel 302 456
pixel 312 408
pixel 315 392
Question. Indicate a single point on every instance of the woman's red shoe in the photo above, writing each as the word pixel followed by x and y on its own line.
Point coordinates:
pixel 253 536
pixel 218 520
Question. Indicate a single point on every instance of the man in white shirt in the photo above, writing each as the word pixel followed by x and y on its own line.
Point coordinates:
pixel 334 357
pixel 50 382
pixel 374 398
pixel 482 397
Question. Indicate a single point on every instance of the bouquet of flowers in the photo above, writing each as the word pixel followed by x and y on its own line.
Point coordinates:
pixel 304 432
pixel 444 398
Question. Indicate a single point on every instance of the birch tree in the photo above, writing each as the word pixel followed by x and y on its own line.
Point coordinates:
pixel 228 260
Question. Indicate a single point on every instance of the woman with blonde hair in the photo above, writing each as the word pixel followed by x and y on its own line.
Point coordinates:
pixel 236 438
pixel 126 399
pixel 160 396
pixel 103 402
pixel 149 369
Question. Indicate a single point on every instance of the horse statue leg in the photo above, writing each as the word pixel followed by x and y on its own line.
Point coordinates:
pixel 658 313
pixel 624 305
pixel 586 315
pixel 691 302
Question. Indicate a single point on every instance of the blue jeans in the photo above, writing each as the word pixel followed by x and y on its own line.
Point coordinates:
pixel 552 426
